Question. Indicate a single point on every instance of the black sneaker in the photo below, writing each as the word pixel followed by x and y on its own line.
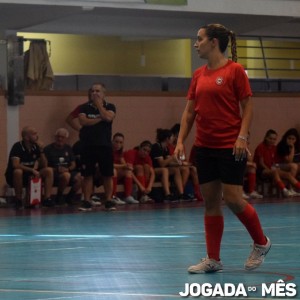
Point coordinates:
pixel 70 197
pixel 170 198
pixel 60 200
pixel 18 204
pixel 110 205
pixel 185 197
pixel 48 202
pixel 85 206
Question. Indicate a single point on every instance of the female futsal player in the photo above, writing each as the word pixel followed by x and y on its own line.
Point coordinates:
pixel 216 93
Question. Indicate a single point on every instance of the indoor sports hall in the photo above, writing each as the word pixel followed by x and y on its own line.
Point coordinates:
pixel 144 54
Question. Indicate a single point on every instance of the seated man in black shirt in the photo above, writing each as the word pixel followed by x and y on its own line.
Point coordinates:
pixel 26 160
pixel 61 159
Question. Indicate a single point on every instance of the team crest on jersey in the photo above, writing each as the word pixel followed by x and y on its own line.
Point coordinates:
pixel 219 80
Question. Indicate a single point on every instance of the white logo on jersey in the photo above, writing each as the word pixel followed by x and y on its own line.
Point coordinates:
pixel 219 81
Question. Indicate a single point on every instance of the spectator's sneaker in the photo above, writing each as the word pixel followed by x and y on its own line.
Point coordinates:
pixel 257 255
pixel 131 200
pixel 60 200
pixel 185 198
pixel 255 195
pixel 19 204
pixel 286 193
pixel 95 202
pixel 117 200
pixel 70 200
pixel 206 265
pixel 96 198
pixel 170 198
pixel 192 197
pixel 294 193
pixel 110 205
pixel 70 197
pixel 145 199
pixel 2 201
pixel 245 196
pixel 85 206
pixel 48 202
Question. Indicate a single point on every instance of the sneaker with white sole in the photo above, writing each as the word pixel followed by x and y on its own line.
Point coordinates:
pixel 95 197
pixel 286 193
pixel 245 196
pixel 117 200
pixel 255 195
pixel 145 199
pixel 294 193
pixel 85 206
pixel 257 255
pixel 110 205
pixel 206 265
pixel 95 202
pixel 131 200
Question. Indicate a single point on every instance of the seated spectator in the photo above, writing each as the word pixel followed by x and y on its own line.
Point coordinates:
pixel 122 171
pixel 61 159
pixel 264 157
pixel 143 172
pixel 166 165
pixel 286 149
pixel 192 173
pixel 26 160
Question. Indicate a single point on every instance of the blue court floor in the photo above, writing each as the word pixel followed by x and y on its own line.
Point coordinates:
pixel 138 254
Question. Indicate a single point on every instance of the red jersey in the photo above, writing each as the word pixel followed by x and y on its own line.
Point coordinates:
pixel 133 157
pixel 171 148
pixel 268 153
pixel 217 95
pixel 118 155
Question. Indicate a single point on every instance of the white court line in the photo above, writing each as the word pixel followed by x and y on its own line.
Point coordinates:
pixel 160 296
pixel 57 249
pixel 90 293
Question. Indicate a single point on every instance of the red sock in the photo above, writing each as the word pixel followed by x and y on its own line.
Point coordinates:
pixel 251 182
pixel 280 184
pixel 114 186
pixel 127 186
pixel 251 221
pixel 214 226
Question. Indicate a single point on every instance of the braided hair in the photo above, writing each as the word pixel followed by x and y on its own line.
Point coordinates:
pixel 222 34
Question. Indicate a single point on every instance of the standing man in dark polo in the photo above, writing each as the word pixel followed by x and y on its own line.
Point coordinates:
pixel 96 119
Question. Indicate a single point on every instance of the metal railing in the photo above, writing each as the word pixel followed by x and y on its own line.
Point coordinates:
pixel 266 57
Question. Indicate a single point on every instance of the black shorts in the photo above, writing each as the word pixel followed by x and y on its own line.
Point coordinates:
pixel 72 180
pixel 97 155
pixel 219 164
pixel 26 178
